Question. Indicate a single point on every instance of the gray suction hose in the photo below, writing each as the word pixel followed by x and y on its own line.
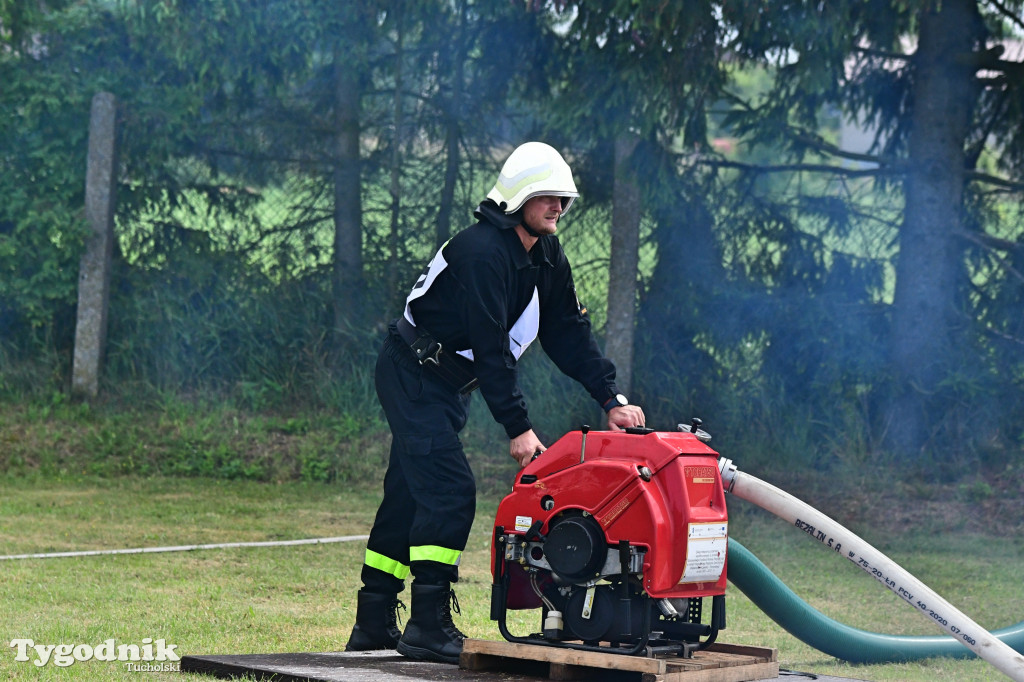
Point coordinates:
pixel 847 544
pixel 829 636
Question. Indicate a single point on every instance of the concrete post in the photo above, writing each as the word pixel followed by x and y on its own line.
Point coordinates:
pixel 94 269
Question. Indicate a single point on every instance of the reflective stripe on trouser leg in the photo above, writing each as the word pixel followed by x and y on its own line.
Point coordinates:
pixel 389 566
pixel 442 555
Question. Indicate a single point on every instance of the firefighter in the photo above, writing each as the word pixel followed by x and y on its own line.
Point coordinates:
pixel 486 295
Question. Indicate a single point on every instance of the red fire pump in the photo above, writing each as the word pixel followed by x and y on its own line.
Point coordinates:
pixel 618 538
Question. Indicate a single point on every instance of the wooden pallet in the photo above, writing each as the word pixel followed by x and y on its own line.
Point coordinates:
pixel 719 663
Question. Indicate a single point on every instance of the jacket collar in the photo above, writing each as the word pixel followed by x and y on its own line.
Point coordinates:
pixel 541 252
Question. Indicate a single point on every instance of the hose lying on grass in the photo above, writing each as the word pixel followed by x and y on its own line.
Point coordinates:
pixel 829 636
pixel 847 544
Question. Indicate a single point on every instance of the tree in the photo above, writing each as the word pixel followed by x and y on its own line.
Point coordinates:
pixel 884 284
pixel 351 76
pixel 45 100
pixel 634 77
pixel 928 78
pixel 931 269
pixel 623 262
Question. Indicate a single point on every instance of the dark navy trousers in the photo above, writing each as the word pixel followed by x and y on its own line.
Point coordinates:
pixel 424 519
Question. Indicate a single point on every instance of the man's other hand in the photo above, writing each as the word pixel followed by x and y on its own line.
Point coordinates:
pixel 624 417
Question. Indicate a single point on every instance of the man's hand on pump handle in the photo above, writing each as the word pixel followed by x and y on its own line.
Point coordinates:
pixel 524 447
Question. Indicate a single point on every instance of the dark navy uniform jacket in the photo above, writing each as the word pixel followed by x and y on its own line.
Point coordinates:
pixel 484 294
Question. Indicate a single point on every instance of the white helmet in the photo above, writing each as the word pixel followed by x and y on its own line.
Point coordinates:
pixel 533 169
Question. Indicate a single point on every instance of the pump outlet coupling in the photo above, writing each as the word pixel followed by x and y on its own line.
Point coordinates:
pixel 728 471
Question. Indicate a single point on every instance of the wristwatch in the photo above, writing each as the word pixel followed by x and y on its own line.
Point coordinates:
pixel 618 400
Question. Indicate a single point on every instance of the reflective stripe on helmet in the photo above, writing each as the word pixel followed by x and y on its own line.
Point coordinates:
pixel 389 566
pixel 509 186
pixel 442 555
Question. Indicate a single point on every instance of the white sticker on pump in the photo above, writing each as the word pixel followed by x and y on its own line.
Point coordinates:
pixel 523 523
pixel 705 552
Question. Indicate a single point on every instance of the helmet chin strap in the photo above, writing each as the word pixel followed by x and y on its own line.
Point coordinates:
pixel 529 230
pixel 520 218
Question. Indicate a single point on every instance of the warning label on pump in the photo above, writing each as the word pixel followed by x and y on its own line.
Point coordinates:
pixel 705 552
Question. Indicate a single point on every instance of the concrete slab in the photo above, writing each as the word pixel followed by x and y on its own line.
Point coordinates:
pixel 372 666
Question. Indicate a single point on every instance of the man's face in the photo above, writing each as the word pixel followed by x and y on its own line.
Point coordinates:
pixel 541 213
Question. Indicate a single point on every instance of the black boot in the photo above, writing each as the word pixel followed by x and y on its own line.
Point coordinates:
pixel 376 622
pixel 430 634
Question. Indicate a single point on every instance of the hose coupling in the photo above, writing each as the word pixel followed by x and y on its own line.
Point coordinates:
pixel 728 471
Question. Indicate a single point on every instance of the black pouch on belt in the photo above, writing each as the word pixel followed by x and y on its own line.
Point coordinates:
pixel 456 371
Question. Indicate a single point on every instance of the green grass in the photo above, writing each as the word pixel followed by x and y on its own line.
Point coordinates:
pixel 178 438
pixel 210 601
pixel 302 598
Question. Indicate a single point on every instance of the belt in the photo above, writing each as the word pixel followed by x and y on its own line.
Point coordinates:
pixel 456 371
